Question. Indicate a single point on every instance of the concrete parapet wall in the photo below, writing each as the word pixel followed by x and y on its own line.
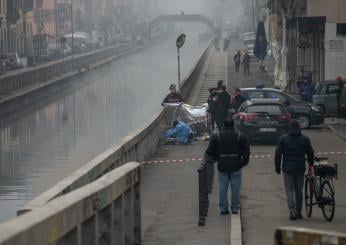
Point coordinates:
pixel 106 211
pixel 302 236
pixel 138 146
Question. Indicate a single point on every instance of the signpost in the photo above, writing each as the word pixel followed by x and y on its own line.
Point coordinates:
pixel 180 42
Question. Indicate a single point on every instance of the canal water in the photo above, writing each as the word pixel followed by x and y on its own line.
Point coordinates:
pixel 47 141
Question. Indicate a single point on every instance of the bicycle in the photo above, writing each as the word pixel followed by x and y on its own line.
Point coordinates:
pixel 319 188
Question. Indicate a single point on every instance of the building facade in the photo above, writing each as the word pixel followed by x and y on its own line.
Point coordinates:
pixel 335 34
pixel 15 29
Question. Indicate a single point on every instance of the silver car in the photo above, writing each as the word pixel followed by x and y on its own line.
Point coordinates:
pixel 326 97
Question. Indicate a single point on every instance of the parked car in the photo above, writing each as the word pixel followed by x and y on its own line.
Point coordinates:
pixel 306 114
pixel 326 97
pixel 262 119
pixel 126 38
pixel 13 61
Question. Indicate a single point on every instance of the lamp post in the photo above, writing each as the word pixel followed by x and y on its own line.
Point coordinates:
pixel 179 43
pixel 72 30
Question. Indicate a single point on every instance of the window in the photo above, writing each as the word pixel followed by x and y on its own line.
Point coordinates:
pixel 265 109
pixel 274 95
pixel 333 89
pixel 255 95
pixel 341 29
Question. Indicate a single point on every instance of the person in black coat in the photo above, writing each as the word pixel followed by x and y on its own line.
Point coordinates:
pixel 211 106
pixel 231 150
pixel 222 104
pixel 237 100
pixel 173 96
pixel 290 155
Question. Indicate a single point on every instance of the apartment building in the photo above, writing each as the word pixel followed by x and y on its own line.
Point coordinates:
pixel 335 34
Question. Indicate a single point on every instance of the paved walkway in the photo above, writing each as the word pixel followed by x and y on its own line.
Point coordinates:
pixel 170 190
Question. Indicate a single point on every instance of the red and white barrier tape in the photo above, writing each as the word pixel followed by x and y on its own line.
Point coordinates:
pixel 186 160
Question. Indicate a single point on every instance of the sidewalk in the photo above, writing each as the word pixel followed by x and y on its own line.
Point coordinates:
pixel 170 190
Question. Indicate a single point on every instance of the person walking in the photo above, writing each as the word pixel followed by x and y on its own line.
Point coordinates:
pixel 290 154
pixel 231 150
pixel 246 63
pixel 339 93
pixel 237 59
pixel 222 103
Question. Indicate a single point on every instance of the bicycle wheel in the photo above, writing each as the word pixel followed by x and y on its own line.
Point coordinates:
pixel 309 195
pixel 328 200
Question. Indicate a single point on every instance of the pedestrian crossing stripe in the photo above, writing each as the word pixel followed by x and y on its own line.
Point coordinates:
pixel 198 159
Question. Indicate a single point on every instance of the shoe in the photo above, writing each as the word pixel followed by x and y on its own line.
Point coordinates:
pixel 224 212
pixel 299 216
pixel 235 212
pixel 293 216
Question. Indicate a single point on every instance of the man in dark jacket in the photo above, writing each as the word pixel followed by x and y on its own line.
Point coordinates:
pixel 222 103
pixel 211 106
pixel 237 59
pixel 173 96
pixel 232 152
pixel 339 93
pixel 291 150
pixel 238 99
pixel 246 63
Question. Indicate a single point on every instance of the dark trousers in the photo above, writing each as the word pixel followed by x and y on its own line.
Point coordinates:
pixel 294 184
pixel 237 64
pixel 246 69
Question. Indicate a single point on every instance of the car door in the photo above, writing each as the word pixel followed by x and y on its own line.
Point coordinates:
pixel 331 99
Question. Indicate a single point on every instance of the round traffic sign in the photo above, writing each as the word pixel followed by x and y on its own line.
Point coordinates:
pixel 181 40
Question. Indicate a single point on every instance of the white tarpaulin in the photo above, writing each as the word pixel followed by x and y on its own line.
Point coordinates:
pixel 195 116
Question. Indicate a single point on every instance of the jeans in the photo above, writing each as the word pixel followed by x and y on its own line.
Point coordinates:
pixel 226 179
pixel 294 184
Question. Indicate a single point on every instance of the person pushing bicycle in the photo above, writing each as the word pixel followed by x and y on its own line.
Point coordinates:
pixel 290 153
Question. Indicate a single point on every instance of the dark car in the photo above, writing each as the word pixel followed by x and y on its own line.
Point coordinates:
pixel 306 114
pixel 264 119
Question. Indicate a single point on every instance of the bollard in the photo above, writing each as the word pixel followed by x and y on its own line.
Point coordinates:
pixel 205 185
pixel 201 180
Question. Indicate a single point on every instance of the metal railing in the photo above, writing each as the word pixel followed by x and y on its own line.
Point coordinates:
pixel 26 77
pixel 105 212
pixel 302 236
pixel 205 186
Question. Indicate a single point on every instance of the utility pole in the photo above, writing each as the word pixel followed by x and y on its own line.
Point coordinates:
pixel 56 24
pixel 253 14
pixel 72 30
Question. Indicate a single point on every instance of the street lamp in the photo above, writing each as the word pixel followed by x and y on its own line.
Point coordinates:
pixel 72 30
pixel 179 43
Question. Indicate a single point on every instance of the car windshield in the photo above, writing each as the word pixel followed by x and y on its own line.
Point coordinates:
pixel 320 89
pixel 265 109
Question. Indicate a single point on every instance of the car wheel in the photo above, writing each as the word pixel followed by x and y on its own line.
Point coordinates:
pixel 303 121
